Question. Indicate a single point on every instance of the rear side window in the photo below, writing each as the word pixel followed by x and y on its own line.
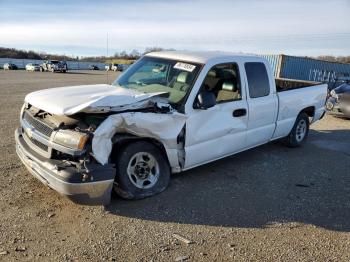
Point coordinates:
pixel 258 81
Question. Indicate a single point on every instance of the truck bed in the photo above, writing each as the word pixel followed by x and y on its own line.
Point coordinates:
pixel 296 98
pixel 284 84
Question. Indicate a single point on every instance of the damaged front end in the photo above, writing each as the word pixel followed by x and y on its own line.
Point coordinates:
pixel 72 154
pixel 56 150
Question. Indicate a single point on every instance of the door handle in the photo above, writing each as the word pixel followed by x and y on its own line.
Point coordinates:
pixel 239 112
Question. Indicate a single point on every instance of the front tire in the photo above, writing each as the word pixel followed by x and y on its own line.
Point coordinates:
pixel 300 131
pixel 142 171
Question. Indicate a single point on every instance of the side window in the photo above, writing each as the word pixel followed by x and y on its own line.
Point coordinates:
pixel 258 80
pixel 223 80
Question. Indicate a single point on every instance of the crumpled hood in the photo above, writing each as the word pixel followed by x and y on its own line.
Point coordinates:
pixel 73 99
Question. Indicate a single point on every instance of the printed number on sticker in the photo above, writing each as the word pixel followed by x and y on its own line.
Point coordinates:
pixel 184 66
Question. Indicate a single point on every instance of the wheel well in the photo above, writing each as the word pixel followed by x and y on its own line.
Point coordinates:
pixel 122 141
pixel 310 111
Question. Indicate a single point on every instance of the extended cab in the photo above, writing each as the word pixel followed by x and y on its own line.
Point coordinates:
pixel 169 112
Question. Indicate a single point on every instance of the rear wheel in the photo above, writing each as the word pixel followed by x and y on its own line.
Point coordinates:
pixel 299 132
pixel 142 171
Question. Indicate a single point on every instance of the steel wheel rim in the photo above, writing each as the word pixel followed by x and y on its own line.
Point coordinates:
pixel 301 130
pixel 143 170
pixel 329 105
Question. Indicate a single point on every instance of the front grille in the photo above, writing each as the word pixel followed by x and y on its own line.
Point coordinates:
pixel 37 143
pixel 38 125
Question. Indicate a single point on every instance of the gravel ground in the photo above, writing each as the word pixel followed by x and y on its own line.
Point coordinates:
pixel 271 203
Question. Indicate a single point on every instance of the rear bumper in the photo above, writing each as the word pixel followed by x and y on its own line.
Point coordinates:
pixel 67 179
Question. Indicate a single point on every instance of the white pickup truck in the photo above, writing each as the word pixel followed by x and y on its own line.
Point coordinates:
pixel 168 112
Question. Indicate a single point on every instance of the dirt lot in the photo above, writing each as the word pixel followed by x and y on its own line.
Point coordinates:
pixel 271 203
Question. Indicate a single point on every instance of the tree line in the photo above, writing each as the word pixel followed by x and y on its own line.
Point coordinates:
pixel 133 55
pixel 22 54
pixel 341 59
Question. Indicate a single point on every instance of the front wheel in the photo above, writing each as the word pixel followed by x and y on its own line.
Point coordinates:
pixel 142 171
pixel 299 132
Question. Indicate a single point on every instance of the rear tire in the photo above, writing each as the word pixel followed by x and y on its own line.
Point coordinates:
pixel 142 171
pixel 299 132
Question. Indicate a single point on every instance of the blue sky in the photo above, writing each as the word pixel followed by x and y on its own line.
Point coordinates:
pixel 297 27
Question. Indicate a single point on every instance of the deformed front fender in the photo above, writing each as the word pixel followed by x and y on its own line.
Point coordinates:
pixel 165 128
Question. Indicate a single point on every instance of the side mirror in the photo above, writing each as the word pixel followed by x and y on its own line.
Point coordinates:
pixel 205 100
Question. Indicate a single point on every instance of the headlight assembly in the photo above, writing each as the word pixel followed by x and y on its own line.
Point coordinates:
pixel 329 105
pixel 71 139
pixel 334 94
pixel 22 111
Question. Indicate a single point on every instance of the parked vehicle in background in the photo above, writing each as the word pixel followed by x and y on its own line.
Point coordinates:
pixel 32 67
pixel 338 102
pixel 94 67
pixel 64 65
pixel 338 81
pixel 169 112
pixel 53 66
pixel 10 66
pixel 116 67
pixel 123 67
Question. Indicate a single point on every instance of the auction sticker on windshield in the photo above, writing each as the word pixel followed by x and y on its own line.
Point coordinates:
pixel 184 66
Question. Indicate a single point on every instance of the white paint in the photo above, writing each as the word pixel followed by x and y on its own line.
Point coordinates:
pixel 86 98
pixel 210 134
pixel 291 102
pixel 262 112
pixel 162 127
pixel 214 133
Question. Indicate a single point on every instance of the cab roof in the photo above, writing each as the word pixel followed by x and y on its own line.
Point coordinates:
pixel 202 57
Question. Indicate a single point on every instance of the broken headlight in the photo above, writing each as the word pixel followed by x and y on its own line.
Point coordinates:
pixel 71 139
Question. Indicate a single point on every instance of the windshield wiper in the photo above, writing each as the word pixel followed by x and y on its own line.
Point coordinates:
pixel 137 83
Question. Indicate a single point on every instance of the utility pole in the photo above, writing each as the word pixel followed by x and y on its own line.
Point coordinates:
pixel 107 64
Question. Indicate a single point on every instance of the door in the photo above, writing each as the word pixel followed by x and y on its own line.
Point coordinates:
pixel 220 130
pixel 263 104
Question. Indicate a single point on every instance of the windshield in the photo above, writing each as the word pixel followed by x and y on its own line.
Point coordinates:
pixel 149 75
